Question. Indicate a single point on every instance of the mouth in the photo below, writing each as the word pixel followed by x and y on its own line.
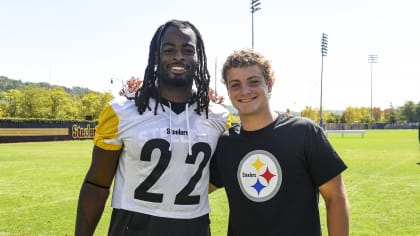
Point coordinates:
pixel 178 68
pixel 246 100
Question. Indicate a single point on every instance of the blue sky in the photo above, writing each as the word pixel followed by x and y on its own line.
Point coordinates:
pixel 86 43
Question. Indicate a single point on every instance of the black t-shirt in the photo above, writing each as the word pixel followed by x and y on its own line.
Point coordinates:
pixel 271 176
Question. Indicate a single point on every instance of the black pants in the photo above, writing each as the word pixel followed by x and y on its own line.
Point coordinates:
pixel 127 223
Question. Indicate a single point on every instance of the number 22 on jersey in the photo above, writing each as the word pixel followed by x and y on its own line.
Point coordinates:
pixel 183 197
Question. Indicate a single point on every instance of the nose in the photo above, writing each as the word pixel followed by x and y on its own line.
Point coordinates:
pixel 245 88
pixel 178 55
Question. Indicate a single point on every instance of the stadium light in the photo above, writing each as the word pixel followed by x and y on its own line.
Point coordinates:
pixel 324 50
pixel 373 58
pixel 255 6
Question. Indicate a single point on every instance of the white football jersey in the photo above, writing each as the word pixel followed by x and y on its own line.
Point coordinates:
pixel 163 168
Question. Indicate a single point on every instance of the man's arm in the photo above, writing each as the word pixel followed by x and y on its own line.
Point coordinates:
pixel 95 190
pixel 335 197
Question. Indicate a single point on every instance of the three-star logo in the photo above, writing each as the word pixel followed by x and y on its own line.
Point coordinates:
pixel 259 175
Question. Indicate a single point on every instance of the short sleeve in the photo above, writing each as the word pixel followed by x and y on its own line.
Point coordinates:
pixel 106 135
pixel 325 161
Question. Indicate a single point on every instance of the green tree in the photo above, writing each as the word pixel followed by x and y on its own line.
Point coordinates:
pixel 8 84
pixel 59 104
pixel 364 115
pixel 93 103
pixel 330 117
pixel 377 114
pixel 310 113
pixel 75 110
pixel 42 100
pixel 35 102
pixel 390 115
pixel 408 111
pixel 352 115
pixel 11 103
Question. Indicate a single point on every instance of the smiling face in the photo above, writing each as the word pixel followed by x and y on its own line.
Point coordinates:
pixel 248 90
pixel 178 57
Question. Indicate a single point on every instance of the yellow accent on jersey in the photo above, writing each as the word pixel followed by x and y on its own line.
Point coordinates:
pixel 107 130
pixel 229 121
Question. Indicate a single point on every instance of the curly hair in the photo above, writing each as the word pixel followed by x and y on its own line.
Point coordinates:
pixel 248 57
pixel 201 75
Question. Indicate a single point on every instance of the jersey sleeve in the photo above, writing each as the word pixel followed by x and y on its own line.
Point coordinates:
pixel 325 162
pixel 106 135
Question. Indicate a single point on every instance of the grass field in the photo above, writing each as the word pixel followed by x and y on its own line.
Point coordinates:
pixel 40 182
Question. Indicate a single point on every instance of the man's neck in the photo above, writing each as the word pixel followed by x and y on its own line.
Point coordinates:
pixel 258 121
pixel 173 93
pixel 176 94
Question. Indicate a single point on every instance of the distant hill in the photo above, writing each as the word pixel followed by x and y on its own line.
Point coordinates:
pixel 7 84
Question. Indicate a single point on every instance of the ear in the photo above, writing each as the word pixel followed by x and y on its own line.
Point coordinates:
pixel 270 85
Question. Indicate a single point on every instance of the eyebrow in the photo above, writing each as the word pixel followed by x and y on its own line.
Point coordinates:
pixel 168 44
pixel 255 77
pixel 247 79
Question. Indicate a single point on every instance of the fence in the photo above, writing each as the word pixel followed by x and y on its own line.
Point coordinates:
pixel 332 126
pixel 45 130
pixel 362 126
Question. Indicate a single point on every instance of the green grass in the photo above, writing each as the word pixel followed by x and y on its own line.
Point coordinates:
pixel 382 181
pixel 39 185
pixel 40 182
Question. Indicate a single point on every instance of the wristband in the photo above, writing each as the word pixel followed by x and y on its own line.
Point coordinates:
pixel 97 185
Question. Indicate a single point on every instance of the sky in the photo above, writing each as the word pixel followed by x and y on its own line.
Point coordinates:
pixel 85 43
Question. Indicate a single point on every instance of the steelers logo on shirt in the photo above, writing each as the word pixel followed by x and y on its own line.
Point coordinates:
pixel 259 176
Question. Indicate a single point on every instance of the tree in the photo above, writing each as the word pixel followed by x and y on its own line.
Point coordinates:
pixel 11 103
pixel 34 102
pixel 364 115
pixel 377 114
pixel 130 86
pixel 352 115
pixel 42 100
pixel 390 115
pixel 330 117
pixel 310 113
pixel 93 103
pixel 408 111
pixel 59 103
pixel 89 104
pixel 8 84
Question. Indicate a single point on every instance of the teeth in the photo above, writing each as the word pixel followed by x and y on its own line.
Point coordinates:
pixel 178 68
pixel 246 100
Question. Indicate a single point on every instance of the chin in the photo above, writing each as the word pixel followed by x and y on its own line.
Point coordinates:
pixel 178 81
pixel 181 82
pixel 243 111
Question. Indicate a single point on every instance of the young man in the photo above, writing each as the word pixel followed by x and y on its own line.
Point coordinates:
pixel 273 166
pixel 157 145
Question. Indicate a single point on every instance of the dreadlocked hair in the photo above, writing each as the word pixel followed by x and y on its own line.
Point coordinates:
pixel 201 75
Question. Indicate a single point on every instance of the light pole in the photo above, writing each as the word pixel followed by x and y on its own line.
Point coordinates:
pixel 373 58
pixel 255 6
pixel 324 50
